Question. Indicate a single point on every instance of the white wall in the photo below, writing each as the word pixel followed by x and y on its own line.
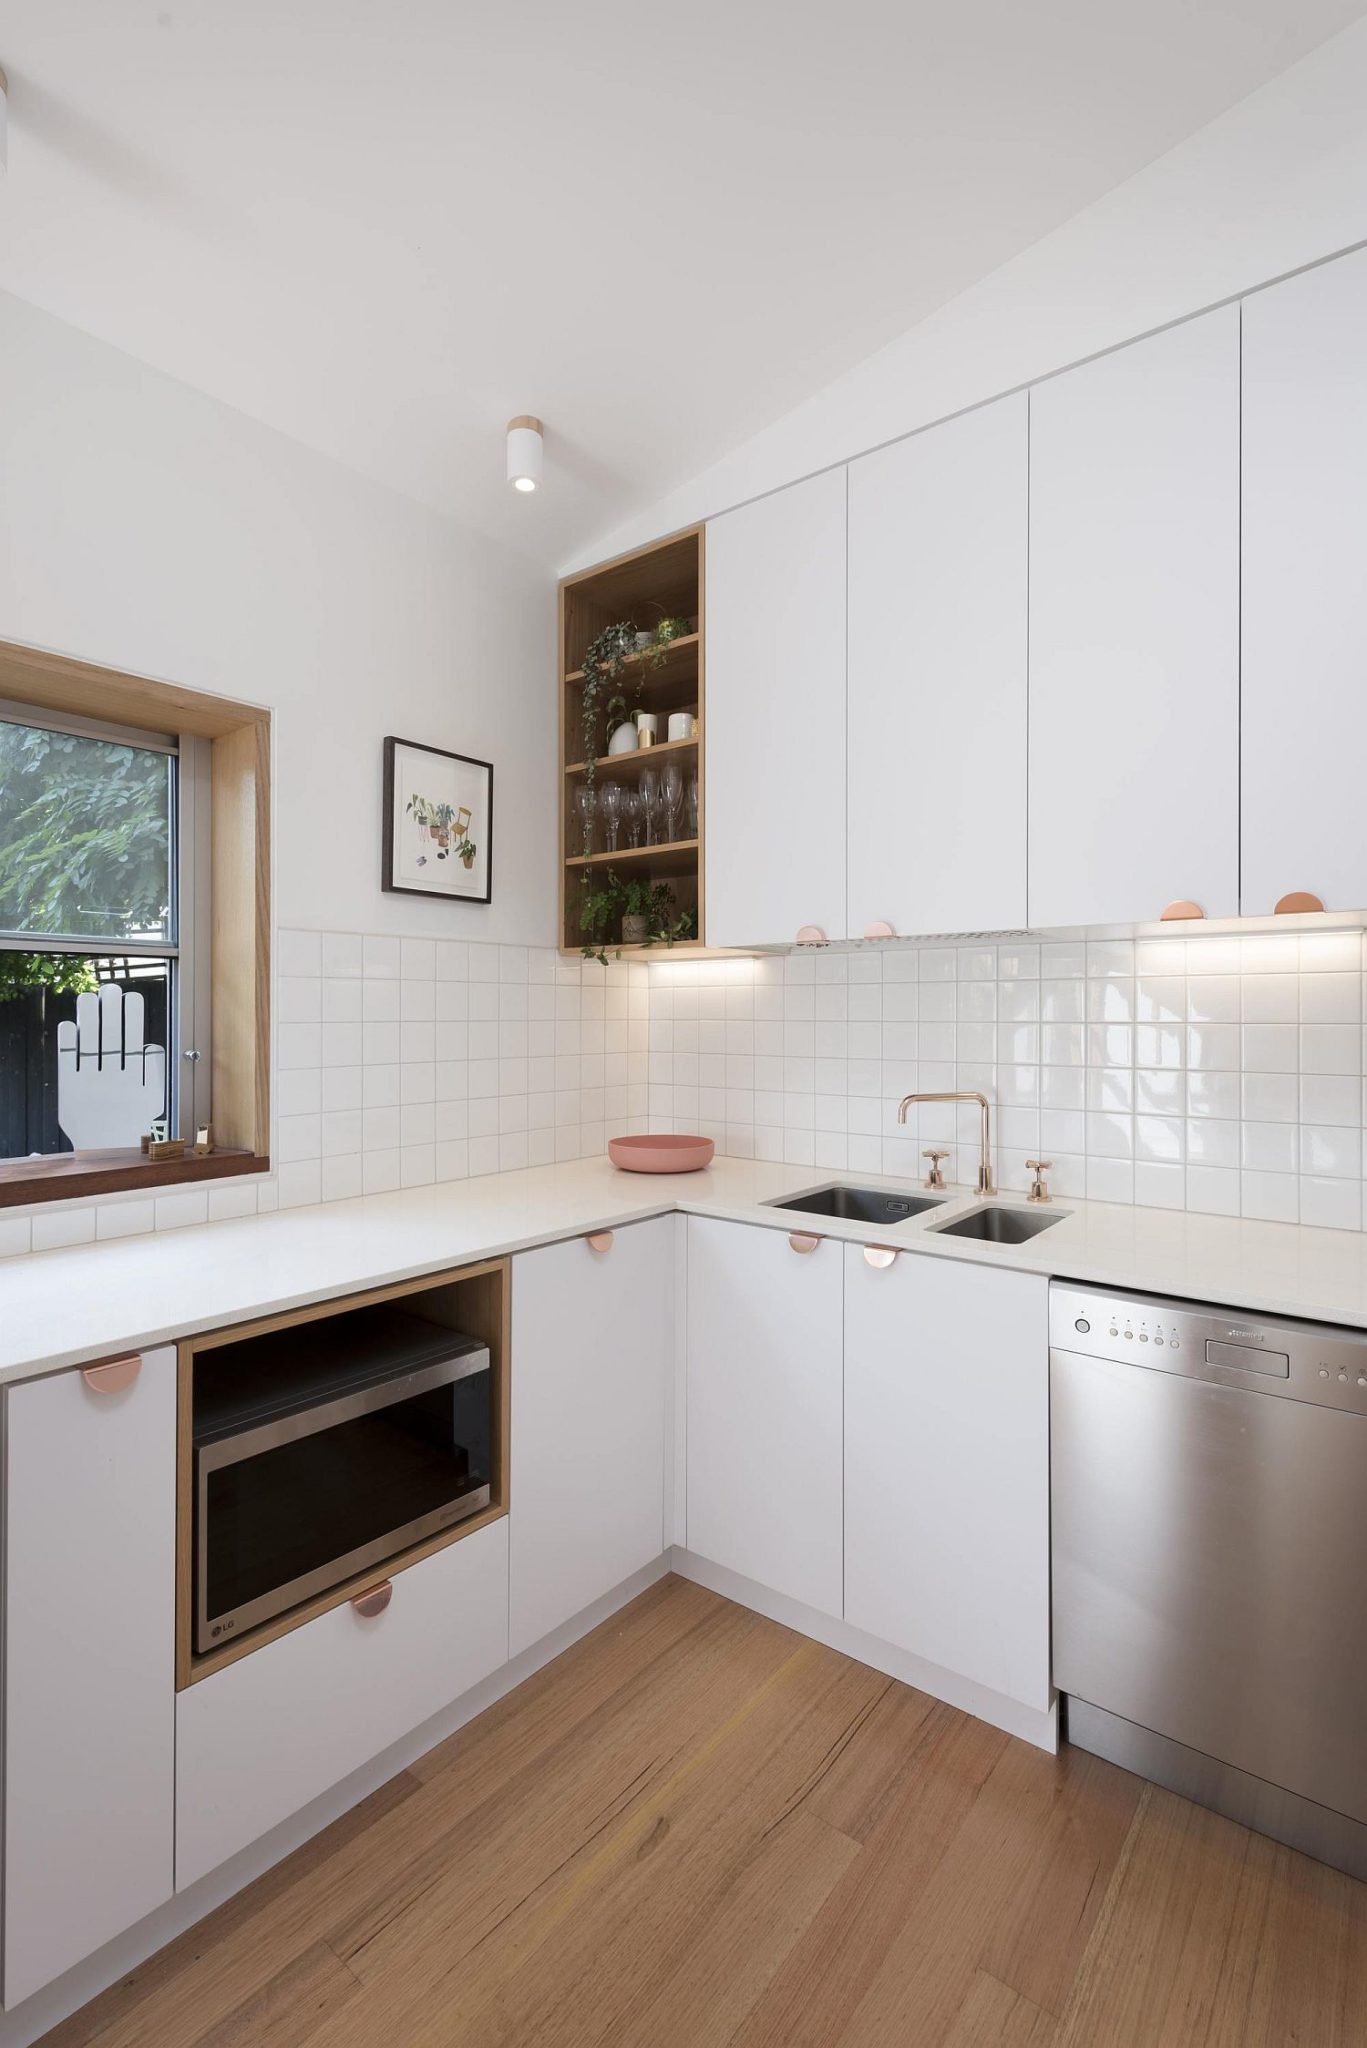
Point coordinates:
pixel 1278 182
pixel 147 527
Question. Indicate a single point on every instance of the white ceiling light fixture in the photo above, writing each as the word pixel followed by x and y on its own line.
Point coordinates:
pixel 524 452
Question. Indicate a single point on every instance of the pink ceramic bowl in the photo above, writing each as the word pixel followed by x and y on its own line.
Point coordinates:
pixel 660 1152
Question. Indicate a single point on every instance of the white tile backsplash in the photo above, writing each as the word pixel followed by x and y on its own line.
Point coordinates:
pixel 1221 1074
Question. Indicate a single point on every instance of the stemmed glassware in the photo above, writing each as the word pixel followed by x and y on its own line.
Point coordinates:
pixel 672 789
pixel 650 799
pixel 633 810
pixel 693 805
pixel 610 805
pixel 584 804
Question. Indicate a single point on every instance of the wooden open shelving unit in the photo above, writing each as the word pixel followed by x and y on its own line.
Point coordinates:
pixel 665 580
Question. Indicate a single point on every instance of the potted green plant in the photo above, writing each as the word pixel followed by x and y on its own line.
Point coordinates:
pixel 466 850
pixel 645 912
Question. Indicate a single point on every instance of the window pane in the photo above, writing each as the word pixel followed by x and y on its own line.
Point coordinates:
pixel 83 1063
pixel 85 837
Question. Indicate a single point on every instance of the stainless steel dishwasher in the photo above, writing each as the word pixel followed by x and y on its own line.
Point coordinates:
pixel 1209 1483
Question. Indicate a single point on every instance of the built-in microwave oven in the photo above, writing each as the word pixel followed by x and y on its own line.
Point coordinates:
pixel 326 1449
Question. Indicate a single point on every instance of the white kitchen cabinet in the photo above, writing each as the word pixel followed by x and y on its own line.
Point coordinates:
pixel 938 650
pixel 89 1722
pixel 1134 630
pixel 947 1467
pixel 1304 591
pixel 593 1354
pixel 261 1738
pixel 775 724
pixel 764 1408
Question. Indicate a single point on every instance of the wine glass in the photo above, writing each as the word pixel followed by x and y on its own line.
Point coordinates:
pixel 610 805
pixel 650 800
pixel 693 805
pixel 584 804
pixel 672 791
pixel 633 810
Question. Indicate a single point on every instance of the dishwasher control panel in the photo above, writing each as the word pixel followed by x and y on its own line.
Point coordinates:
pixel 1301 1361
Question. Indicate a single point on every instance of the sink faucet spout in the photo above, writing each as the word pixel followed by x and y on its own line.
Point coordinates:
pixel 985 1182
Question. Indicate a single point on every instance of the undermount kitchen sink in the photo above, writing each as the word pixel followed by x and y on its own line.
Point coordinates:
pixel 858 1205
pixel 998 1226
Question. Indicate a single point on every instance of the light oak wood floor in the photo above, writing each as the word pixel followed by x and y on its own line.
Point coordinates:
pixel 697 1828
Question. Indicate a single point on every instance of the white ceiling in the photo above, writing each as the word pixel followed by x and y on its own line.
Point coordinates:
pixel 383 226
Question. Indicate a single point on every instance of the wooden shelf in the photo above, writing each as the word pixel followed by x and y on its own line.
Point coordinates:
pixel 687 643
pixel 669 849
pixel 638 757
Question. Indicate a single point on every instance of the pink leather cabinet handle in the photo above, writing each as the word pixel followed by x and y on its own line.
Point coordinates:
pixel 114 1375
pixel 879 1256
pixel 599 1240
pixel 1298 902
pixel 803 1240
pixel 810 935
pixel 879 929
pixel 374 1600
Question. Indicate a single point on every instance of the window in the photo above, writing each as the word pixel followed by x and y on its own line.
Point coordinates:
pixel 103 1023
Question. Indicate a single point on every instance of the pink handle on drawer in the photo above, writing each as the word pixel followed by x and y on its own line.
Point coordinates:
pixel 599 1240
pixel 113 1376
pixel 1300 900
pixel 803 1240
pixel 374 1600
pixel 879 1256
pixel 810 935
pixel 879 929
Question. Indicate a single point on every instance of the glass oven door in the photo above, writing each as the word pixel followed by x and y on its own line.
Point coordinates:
pixel 292 1507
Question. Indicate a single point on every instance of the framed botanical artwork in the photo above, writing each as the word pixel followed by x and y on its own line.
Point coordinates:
pixel 438 823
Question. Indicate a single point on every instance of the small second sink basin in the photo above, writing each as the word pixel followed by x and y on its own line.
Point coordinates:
pixel 859 1205
pixel 999 1226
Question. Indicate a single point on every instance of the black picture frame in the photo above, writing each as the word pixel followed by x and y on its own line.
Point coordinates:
pixel 392 867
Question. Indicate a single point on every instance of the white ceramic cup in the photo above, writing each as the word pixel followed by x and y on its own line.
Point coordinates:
pixel 681 725
pixel 647 728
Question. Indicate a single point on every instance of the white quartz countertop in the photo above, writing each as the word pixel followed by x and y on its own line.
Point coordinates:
pixel 64 1308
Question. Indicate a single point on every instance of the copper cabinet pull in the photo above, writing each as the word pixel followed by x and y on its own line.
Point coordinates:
pixel 879 1256
pixel 810 935
pixel 114 1375
pixel 374 1600
pixel 599 1240
pixel 879 929
pixel 1298 900
pixel 1183 908
pixel 803 1240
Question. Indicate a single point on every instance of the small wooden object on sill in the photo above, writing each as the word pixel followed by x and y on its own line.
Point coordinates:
pixel 166 1148
pixel 204 1140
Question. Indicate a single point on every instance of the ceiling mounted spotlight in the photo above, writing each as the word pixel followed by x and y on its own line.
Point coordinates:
pixel 524 452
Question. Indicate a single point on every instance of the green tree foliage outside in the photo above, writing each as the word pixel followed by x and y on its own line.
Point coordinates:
pixel 84 837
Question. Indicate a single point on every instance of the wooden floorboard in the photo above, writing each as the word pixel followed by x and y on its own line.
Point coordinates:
pixel 699 1830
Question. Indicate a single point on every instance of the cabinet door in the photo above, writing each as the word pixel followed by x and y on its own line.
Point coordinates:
pixel 90 1516
pixel 774 728
pixel 1134 630
pixel 937 687
pixel 593 1338
pixel 764 1374
pixel 261 1738
pixel 1304 591
pixel 947 1467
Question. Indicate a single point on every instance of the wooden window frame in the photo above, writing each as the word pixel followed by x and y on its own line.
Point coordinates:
pixel 238 942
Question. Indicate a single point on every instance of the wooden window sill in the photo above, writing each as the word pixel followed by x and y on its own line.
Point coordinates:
pixel 68 1175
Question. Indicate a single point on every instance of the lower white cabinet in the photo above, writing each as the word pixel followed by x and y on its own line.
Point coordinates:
pixel 260 1739
pixel 593 1360
pixel 764 1408
pixel 89 1679
pixel 947 1466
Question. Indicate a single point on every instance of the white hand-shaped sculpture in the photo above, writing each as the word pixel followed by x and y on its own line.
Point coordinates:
pixel 110 1086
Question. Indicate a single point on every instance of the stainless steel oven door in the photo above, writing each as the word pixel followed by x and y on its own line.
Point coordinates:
pixel 296 1505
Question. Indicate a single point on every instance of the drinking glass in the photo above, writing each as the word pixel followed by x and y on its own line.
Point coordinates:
pixel 693 805
pixel 584 804
pixel 633 811
pixel 610 804
pixel 672 790
pixel 650 799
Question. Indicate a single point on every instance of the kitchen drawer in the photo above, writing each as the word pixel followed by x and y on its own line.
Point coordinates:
pixel 259 1740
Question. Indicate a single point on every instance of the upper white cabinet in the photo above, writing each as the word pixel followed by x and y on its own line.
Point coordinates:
pixel 947 1467
pixel 89 1689
pixel 938 648
pixel 593 1362
pixel 1304 588
pixel 764 1402
pixel 775 726
pixel 1134 630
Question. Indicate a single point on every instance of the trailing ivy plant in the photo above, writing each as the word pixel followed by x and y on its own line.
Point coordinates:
pixel 604 659
pixel 610 899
